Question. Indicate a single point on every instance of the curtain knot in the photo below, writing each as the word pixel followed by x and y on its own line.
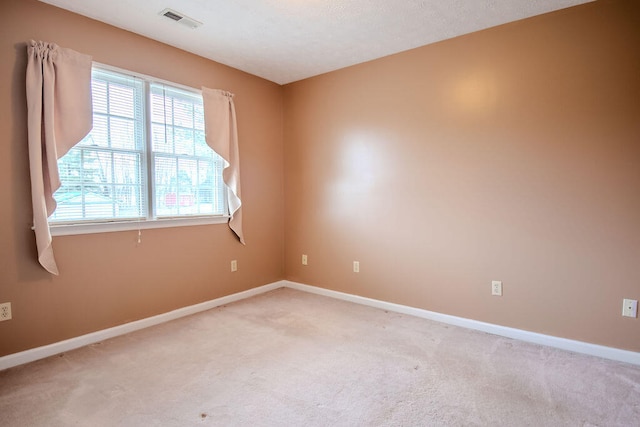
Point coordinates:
pixel 42 49
pixel 227 94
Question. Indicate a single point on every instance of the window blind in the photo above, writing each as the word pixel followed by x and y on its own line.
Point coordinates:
pixel 146 157
pixel 103 175
pixel 187 173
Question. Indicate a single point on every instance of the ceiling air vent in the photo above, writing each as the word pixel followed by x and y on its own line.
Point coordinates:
pixel 181 18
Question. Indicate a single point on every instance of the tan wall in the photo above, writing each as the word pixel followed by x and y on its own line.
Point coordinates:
pixel 105 279
pixel 509 154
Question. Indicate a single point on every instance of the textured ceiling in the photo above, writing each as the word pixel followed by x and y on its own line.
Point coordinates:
pixel 288 40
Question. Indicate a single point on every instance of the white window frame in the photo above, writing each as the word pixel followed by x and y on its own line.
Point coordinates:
pixel 105 226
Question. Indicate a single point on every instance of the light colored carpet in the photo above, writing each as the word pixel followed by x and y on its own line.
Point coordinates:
pixel 289 358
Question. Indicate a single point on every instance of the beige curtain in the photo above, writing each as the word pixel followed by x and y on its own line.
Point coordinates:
pixel 222 137
pixel 59 115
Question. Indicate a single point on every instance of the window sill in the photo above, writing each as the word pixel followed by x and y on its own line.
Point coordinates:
pixel 108 227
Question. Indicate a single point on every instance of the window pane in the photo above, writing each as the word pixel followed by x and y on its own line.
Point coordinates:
pixel 176 192
pixel 123 133
pixel 198 115
pixel 121 100
pixel 188 186
pixel 183 113
pixel 99 94
pixel 206 190
pixel 126 168
pixel 184 141
pixel 166 186
pixel 201 147
pixel 161 107
pixel 128 199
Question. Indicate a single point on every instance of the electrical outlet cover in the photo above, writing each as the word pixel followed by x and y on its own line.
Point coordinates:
pixel 5 311
pixel 496 287
pixel 630 307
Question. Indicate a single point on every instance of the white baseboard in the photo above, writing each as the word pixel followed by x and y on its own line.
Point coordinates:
pixel 94 337
pixel 532 337
pixel 518 334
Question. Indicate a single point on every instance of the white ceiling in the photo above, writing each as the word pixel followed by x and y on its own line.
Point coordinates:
pixel 288 40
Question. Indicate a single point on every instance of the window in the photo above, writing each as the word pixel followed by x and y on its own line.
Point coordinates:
pixel 145 160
